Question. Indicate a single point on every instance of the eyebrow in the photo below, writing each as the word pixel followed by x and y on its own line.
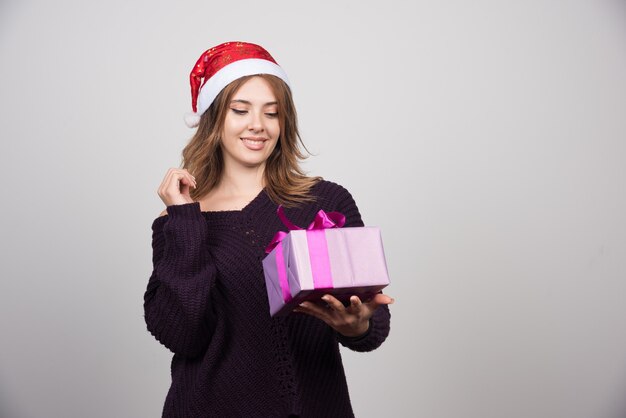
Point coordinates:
pixel 249 103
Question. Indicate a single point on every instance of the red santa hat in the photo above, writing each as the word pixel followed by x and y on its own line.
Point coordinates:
pixel 219 66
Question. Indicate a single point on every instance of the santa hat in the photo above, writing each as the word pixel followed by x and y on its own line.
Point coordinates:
pixel 221 65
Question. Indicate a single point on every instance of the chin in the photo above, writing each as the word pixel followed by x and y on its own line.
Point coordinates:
pixel 252 163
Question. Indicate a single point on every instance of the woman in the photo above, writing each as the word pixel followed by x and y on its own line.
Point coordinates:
pixel 206 298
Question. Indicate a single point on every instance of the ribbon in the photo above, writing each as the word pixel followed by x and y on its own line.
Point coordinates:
pixel 318 248
pixel 322 220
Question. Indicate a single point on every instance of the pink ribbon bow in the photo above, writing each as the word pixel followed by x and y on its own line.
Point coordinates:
pixel 322 220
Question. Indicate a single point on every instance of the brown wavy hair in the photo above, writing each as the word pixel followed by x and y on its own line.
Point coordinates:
pixel 285 182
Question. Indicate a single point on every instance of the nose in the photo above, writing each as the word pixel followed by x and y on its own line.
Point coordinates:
pixel 256 122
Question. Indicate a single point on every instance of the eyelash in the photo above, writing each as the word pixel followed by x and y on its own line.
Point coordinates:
pixel 243 112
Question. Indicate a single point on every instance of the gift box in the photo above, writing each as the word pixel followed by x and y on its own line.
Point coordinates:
pixel 323 259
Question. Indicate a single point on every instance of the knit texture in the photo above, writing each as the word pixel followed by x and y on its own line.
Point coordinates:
pixel 206 301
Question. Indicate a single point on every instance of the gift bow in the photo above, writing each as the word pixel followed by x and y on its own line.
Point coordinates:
pixel 322 220
pixel 318 251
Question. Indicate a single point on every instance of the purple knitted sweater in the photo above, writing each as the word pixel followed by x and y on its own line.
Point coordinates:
pixel 206 301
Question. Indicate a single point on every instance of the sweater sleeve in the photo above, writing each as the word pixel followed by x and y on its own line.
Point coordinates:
pixel 177 299
pixel 379 322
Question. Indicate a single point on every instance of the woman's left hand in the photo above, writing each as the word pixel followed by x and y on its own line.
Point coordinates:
pixel 351 321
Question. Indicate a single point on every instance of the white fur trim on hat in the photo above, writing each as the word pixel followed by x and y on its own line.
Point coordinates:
pixel 232 72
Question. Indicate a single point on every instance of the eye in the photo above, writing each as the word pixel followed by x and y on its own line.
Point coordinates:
pixel 272 114
pixel 238 111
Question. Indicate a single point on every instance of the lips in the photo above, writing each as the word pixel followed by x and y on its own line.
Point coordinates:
pixel 254 143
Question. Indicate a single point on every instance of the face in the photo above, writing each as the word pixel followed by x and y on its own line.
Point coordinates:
pixel 251 127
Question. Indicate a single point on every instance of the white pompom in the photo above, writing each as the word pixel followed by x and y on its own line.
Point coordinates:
pixel 192 120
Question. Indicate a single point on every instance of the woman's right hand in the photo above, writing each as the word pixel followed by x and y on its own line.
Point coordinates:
pixel 174 189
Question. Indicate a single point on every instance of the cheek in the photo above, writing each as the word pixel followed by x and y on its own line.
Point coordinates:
pixel 275 129
pixel 232 126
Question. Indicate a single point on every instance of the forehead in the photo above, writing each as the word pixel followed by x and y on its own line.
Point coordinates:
pixel 254 90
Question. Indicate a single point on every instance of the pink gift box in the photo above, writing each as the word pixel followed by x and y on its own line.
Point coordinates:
pixel 307 264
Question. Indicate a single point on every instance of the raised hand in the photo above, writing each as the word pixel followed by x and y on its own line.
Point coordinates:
pixel 175 187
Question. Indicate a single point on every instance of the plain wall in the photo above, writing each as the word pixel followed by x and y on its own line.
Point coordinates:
pixel 485 138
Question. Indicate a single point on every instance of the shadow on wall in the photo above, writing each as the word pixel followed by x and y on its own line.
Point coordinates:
pixel 620 409
pixel 6 409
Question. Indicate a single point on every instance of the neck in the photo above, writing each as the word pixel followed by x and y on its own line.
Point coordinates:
pixel 242 181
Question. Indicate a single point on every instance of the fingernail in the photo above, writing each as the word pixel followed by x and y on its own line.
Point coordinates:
pixel 325 298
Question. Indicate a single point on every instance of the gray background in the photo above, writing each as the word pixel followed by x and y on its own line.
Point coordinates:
pixel 486 138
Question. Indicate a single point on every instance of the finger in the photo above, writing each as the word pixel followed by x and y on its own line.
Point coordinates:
pixel 176 184
pixel 187 174
pixel 166 180
pixel 187 171
pixel 172 175
pixel 333 303
pixel 185 184
pixel 178 173
pixel 184 189
pixel 310 306
pixel 312 309
pixel 180 183
pixel 192 179
pixel 355 303
pixel 380 299
pixel 187 179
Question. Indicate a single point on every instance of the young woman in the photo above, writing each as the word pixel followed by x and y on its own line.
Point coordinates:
pixel 206 298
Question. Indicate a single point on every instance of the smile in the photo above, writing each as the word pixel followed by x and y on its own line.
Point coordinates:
pixel 254 143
